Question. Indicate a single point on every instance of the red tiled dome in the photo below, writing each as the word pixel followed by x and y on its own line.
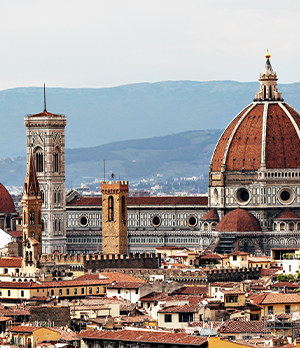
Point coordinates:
pixel 287 214
pixel 270 129
pixel 238 220
pixel 6 202
pixel 212 215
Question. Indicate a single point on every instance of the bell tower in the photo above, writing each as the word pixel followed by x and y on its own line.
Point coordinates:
pixel 114 217
pixel 32 222
pixel 46 141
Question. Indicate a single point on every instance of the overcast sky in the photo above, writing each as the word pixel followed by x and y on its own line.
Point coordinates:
pixel 97 43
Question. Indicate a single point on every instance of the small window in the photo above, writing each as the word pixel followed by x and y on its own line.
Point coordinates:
pixel 119 291
pixel 60 292
pixel 68 291
pixel 97 290
pixel 75 291
pixel 82 291
pixel 90 291
pixel 8 292
pixel 168 318
pixel 52 292
pixel 234 257
pixel 22 293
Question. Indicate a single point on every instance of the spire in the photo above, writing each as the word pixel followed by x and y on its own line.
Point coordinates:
pixel 268 84
pixel 45 108
pixel 31 184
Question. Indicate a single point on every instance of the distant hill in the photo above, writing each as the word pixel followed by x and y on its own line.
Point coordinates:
pixel 178 155
pixel 137 111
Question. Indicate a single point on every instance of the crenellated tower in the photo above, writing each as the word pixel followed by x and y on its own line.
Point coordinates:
pixel 46 140
pixel 32 222
pixel 114 217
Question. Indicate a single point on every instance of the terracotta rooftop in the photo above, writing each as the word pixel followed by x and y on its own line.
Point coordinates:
pixel 190 308
pixel 273 298
pixel 268 271
pixel 211 256
pixel 287 214
pixel 239 253
pixel 238 220
pixel 24 329
pixel 6 202
pixel 286 284
pixel 16 234
pixel 186 200
pixel 145 336
pixel 11 261
pixel 112 276
pixel 241 326
pixel 45 113
pixel 192 290
pixel 212 215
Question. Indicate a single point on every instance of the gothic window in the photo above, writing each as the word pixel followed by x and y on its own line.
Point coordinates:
pixel 56 160
pixel 110 208
pixel 39 160
pixel 59 225
pixel 43 225
pixel 55 199
pixel 58 197
pixel 31 218
pixel 43 196
pixel 55 225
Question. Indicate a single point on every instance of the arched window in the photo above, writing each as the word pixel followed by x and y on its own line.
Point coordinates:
pixel 110 208
pixel 31 222
pixel 43 225
pixel 43 196
pixel 58 197
pixel 55 225
pixel 55 199
pixel 39 160
pixel 59 225
pixel 56 160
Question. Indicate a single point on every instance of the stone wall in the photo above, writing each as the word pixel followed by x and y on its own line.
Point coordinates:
pixel 59 316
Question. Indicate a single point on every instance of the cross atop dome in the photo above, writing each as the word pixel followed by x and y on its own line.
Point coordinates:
pixel 268 84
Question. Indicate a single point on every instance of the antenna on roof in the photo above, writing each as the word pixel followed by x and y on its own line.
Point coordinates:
pixel 45 109
pixel 104 170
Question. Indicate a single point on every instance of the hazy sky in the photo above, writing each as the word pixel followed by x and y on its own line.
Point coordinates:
pixel 96 43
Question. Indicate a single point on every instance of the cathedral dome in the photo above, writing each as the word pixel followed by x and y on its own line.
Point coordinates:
pixel 265 135
pixel 238 220
pixel 6 202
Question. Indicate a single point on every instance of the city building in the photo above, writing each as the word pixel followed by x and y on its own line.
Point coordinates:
pixel 46 142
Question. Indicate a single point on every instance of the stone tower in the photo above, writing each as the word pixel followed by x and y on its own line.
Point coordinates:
pixel 114 217
pixel 46 141
pixel 32 222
